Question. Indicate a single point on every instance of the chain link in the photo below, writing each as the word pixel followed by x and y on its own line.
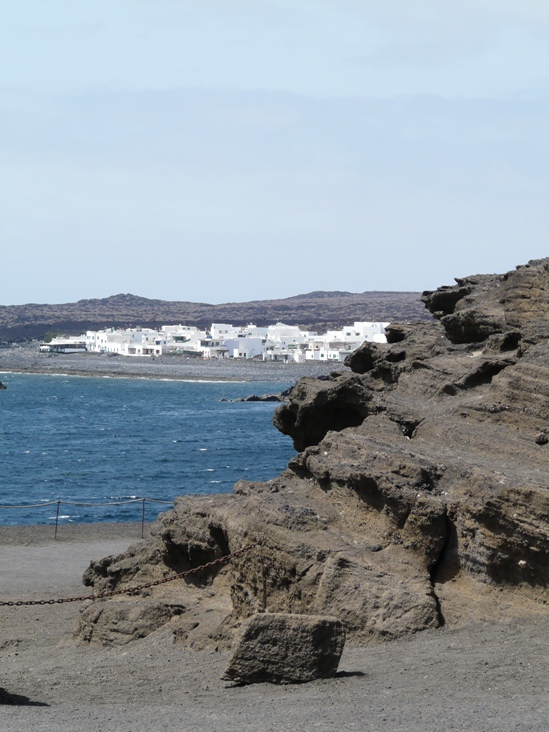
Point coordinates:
pixel 131 590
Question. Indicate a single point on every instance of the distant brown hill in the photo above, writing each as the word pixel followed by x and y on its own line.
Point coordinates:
pixel 318 311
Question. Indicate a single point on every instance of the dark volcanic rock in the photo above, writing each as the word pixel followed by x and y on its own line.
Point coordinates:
pixel 420 495
pixel 281 396
pixel 286 649
pixel 364 358
pixel 318 406
pixel 260 398
pixel 515 304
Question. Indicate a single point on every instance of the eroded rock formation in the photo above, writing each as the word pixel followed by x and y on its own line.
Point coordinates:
pixel 419 495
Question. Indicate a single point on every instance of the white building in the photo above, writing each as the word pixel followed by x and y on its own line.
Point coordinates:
pixel 128 342
pixel 326 354
pixel 70 344
pixel 336 345
pixel 222 330
pixel 183 339
pixel 244 346
pixel 279 342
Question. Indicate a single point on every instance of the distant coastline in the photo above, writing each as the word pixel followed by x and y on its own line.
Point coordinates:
pixel 315 311
pixel 26 359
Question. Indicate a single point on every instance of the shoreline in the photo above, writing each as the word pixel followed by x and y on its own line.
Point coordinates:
pixel 40 534
pixel 25 359
pixel 114 375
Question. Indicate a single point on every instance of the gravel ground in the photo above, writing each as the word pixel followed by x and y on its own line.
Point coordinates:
pixel 27 359
pixel 483 677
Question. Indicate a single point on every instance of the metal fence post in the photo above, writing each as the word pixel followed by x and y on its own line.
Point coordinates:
pixel 56 520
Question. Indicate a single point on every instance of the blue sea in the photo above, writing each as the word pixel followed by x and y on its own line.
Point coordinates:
pixel 111 440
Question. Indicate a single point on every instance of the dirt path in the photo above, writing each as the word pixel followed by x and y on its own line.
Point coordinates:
pixel 481 678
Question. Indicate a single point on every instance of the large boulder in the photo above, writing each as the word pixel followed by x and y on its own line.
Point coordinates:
pixel 286 649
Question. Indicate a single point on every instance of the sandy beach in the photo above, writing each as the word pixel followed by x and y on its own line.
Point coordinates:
pixel 25 358
pixel 483 677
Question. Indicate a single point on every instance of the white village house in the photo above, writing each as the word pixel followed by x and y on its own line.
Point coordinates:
pixel 336 345
pixel 279 342
pixel 69 344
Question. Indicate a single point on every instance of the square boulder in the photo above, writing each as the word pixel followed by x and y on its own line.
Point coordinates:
pixel 285 648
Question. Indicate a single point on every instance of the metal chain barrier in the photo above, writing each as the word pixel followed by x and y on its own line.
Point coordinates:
pixel 90 505
pixel 75 503
pixel 132 590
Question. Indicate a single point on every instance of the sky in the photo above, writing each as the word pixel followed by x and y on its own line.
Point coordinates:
pixel 232 150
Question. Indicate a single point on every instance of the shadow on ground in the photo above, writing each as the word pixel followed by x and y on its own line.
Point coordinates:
pixel 18 700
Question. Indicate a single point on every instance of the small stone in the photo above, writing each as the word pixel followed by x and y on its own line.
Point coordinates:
pixel 285 648
pixel 542 439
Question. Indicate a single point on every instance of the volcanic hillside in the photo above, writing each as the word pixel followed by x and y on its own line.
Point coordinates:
pixel 319 311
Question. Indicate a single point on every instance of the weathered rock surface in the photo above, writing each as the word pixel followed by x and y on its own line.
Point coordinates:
pixel 513 307
pixel 281 396
pixel 284 648
pixel 119 622
pixel 419 497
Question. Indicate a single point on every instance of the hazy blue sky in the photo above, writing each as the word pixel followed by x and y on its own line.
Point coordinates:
pixel 218 150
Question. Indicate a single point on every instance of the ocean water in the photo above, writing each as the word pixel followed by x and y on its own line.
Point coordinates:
pixel 108 440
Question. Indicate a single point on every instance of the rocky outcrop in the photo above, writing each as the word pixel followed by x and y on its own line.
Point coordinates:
pixel 419 495
pixel 504 308
pixel 316 406
pixel 282 648
pixel 281 396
